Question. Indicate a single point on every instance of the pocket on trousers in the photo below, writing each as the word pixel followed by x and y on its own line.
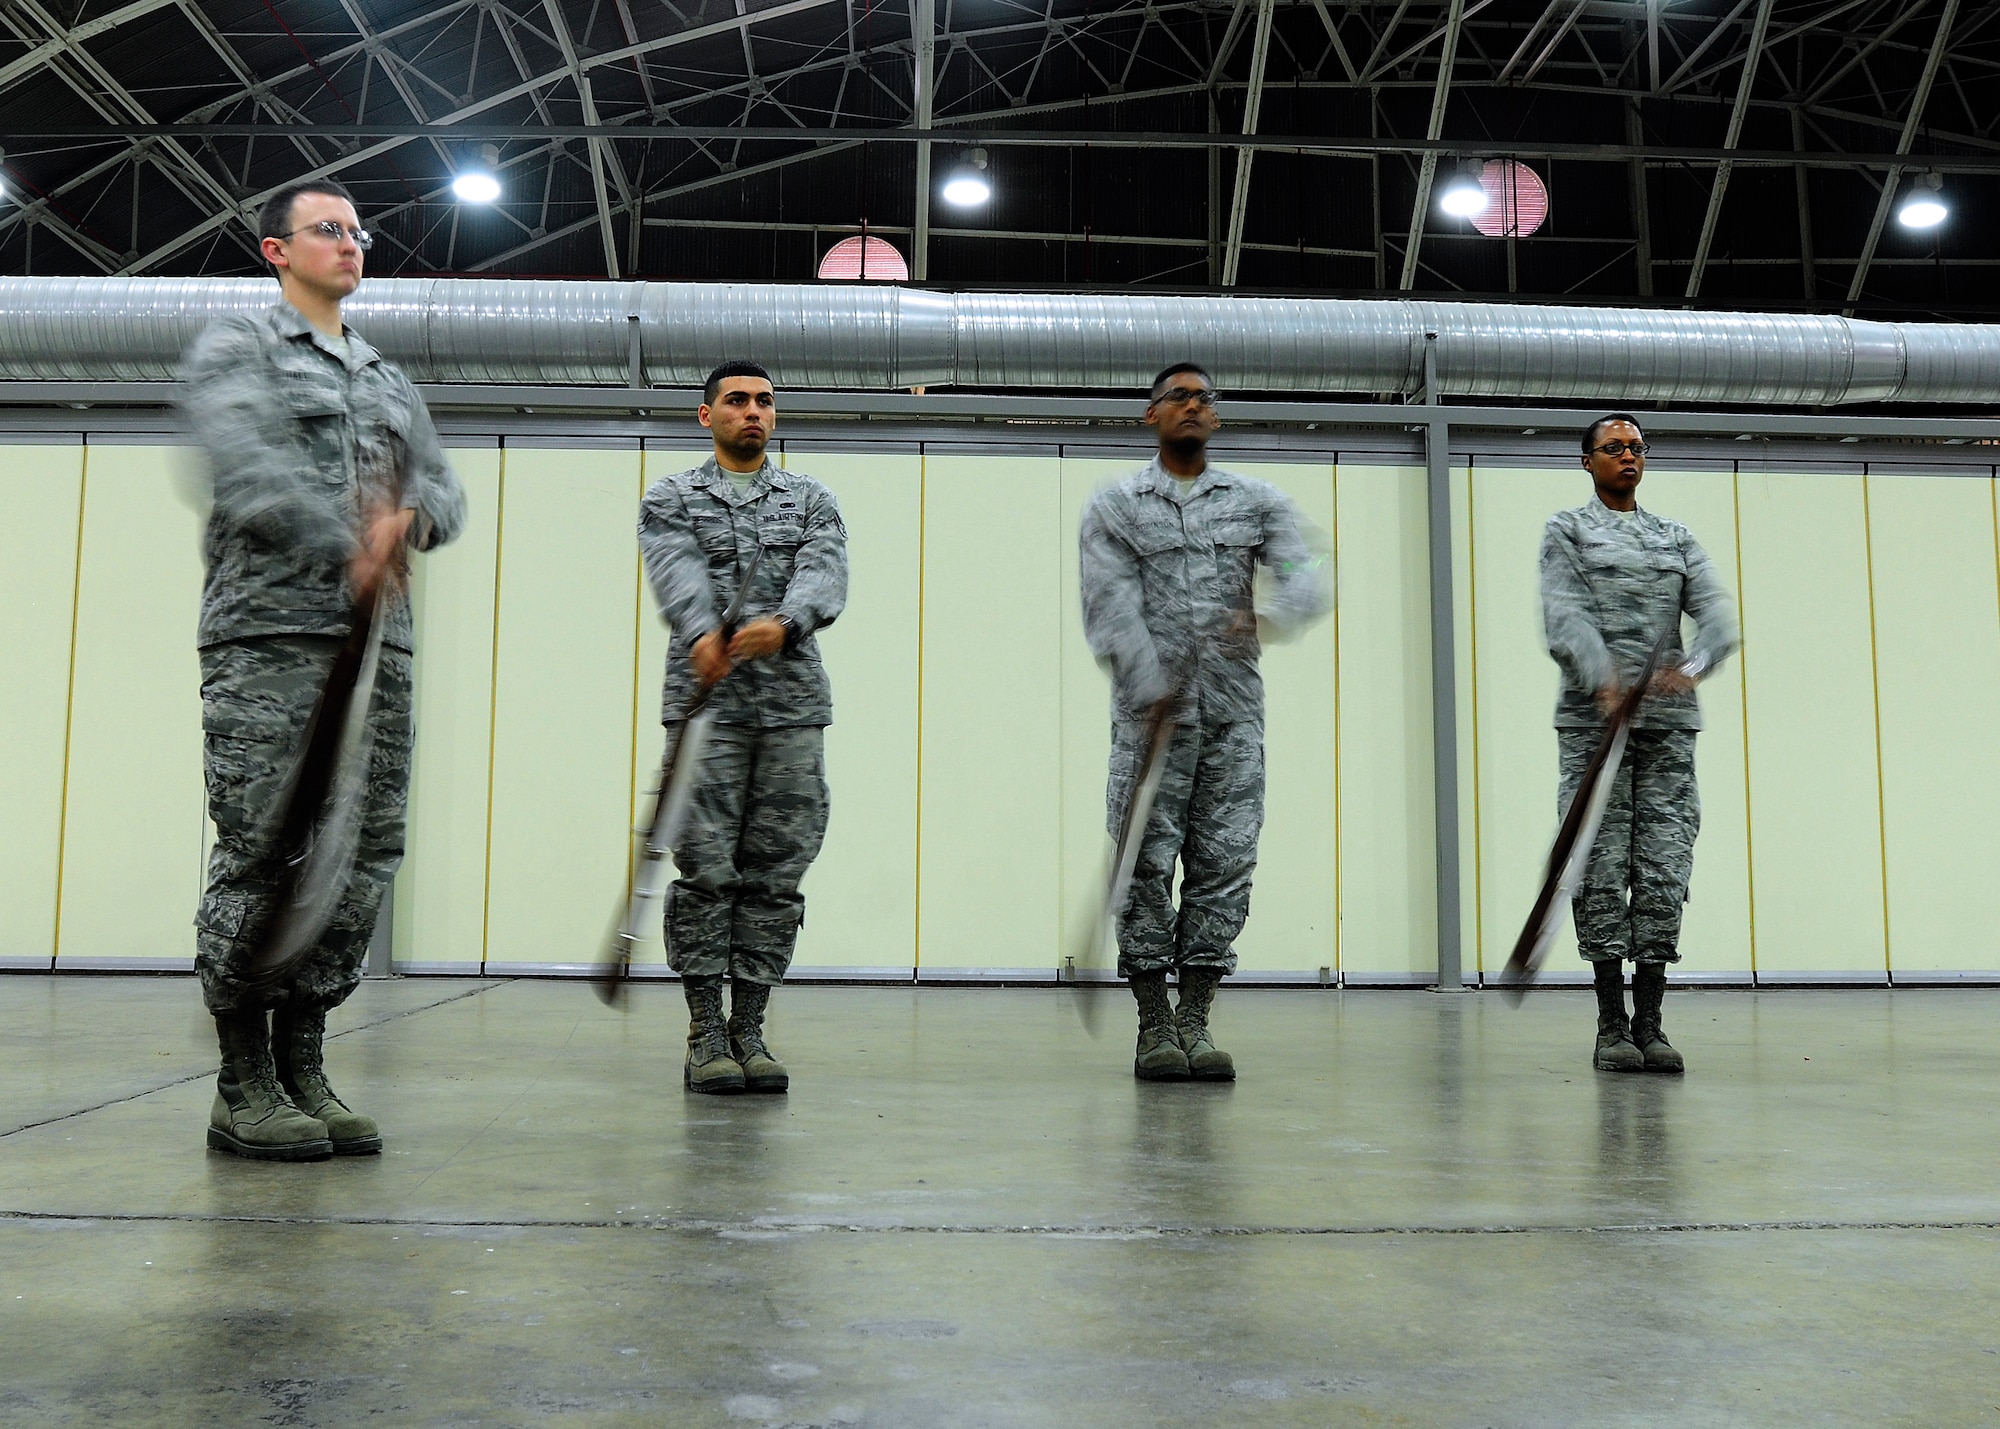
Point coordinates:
pixel 222 914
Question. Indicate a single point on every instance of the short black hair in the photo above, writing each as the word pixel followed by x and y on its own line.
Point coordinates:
pixel 1176 370
pixel 274 219
pixel 735 367
pixel 1590 432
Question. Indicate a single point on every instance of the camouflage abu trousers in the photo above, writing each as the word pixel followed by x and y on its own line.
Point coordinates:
pixel 1629 902
pixel 256 696
pixel 756 823
pixel 1207 815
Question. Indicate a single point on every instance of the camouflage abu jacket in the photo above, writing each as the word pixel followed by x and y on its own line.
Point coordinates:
pixel 299 443
pixel 1168 584
pixel 1611 581
pixel 697 532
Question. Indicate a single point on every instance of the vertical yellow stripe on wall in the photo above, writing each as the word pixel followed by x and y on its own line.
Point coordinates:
pixel 1743 694
pixel 1875 688
pixel 493 712
pixel 69 703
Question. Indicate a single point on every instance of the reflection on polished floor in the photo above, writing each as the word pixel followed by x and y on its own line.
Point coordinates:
pixel 1412 1209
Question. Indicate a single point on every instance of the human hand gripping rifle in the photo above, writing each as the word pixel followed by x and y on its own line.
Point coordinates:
pixel 1577 834
pixel 671 802
pixel 319 824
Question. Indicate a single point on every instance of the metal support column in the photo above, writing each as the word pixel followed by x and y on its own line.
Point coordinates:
pixel 382 946
pixel 1444 676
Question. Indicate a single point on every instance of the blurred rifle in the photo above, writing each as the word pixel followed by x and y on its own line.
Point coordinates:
pixel 671 803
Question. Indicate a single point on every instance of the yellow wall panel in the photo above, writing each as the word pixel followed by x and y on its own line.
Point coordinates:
pixel 1294 899
pixel 1715 926
pixel 1388 874
pixel 1816 848
pixel 440 911
pixel 1517 684
pixel 990 797
pixel 1086 733
pixel 1937 643
pixel 563 699
pixel 41 494
pixel 1516 693
pixel 649 741
pixel 133 851
pixel 861 895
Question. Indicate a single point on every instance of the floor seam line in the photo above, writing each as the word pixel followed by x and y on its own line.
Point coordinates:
pixel 210 1071
pixel 1080 1232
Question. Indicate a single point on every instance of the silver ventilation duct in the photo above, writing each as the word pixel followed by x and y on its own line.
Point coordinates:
pixel 671 334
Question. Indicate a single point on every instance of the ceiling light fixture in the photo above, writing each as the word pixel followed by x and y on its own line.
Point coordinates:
pixel 1924 205
pixel 476 183
pixel 1464 195
pixel 967 185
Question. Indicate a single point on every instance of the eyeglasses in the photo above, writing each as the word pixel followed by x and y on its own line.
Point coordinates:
pixel 1174 396
pixel 327 228
pixel 1620 448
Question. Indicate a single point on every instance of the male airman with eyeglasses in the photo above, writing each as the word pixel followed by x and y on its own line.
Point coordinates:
pixel 1169 556
pixel 325 470
pixel 1613 577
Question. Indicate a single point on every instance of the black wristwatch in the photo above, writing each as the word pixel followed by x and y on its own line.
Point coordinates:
pixel 792 632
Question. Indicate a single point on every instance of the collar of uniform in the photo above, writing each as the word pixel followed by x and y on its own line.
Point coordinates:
pixel 1165 483
pixel 288 322
pixel 768 478
pixel 1596 512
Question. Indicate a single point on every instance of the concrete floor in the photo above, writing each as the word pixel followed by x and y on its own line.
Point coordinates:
pixel 1412 1210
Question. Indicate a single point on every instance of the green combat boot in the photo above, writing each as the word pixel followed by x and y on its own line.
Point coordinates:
pixel 298 1038
pixel 1159 1057
pixel 710 1068
pixel 252 1116
pixel 1615 1052
pixel 1206 1061
pixel 1649 990
pixel 761 1071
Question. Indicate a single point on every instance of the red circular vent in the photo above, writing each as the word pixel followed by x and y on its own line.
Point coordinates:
pixel 1517 202
pixel 874 259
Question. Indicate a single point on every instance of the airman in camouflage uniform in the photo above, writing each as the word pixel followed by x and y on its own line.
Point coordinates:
pixel 1613 577
pixel 1169 556
pixel 323 463
pixel 759 805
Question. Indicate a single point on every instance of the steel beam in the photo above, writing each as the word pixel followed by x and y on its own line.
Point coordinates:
pixel 1738 111
pixel 600 159
pixel 1917 102
pixel 923 38
pixel 950 131
pixel 1431 133
pixel 1239 204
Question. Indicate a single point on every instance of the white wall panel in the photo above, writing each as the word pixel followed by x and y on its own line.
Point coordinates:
pixel 861 895
pixel 564 680
pixel 440 910
pixel 1387 853
pixel 41 495
pixel 132 856
pixel 1937 647
pixel 991 708
pixel 1816 837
